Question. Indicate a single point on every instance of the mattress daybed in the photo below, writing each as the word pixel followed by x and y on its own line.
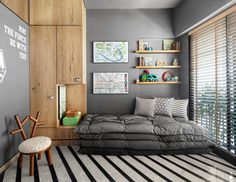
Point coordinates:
pixel 132 134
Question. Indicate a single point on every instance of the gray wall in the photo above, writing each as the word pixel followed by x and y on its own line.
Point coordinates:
pixel 193 11
pixel 14 90
pixel 184 71
pixel 187 15
pixel 126 25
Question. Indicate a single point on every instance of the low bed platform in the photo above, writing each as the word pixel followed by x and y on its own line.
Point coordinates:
pixel 131 134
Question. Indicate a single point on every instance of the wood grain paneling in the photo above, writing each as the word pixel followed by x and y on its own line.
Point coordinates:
pixel 76 96
pixel 43 73
pixel 84 41
pixel 56 12
pixel 57 133
pixel 19 7
pixel 69 55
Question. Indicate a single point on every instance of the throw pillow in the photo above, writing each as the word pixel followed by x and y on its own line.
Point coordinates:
pixel 144 107
pixel 180 108
pixel 163 106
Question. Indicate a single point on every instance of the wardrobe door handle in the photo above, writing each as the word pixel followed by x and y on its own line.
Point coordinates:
pixel 51 97
pixel 77 79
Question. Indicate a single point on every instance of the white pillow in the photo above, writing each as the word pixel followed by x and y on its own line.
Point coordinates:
pixel 180 108
pixel 163 106
pixel 144 107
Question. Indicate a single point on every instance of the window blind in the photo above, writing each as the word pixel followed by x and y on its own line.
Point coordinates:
pixel 213 80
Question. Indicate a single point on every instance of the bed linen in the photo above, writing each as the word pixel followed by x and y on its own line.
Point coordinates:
pixel 139 133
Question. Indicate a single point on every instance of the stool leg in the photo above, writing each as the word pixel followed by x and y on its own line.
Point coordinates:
pixel 20 160
pixel 49 156
pixel 40 155
pixel 31 169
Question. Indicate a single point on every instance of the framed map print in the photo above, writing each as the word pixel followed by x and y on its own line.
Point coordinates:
pixel 110 83
pixel 110 52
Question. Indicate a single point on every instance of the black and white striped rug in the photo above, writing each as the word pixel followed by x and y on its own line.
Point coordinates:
pixel 69 165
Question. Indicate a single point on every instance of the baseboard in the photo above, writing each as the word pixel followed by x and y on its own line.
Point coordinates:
pixel 9 163
pixel 226 155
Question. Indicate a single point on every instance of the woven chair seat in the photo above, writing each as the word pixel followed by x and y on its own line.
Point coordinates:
pixel 35 145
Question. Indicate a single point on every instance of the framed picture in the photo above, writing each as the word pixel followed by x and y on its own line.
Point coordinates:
pixel 167 44
pixel 3 68
pixel 110 52
pixel 110 83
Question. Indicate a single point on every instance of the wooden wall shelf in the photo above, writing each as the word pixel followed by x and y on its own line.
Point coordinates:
pixel 157 51
pixel 156 83
pixel 157 67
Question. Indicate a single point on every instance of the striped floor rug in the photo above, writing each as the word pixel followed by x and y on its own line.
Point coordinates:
pixel 69 165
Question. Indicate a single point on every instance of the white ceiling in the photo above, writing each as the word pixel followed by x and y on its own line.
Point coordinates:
pixel 131 4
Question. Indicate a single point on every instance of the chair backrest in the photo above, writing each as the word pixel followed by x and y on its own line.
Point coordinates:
pixel 22 123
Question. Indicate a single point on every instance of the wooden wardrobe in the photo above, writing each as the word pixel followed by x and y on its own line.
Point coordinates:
pixel 57 57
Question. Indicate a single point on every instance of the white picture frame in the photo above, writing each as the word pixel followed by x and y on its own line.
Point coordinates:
pixel 111 83
pixel 111 52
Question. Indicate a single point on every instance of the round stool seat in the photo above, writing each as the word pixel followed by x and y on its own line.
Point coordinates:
pixel 34 145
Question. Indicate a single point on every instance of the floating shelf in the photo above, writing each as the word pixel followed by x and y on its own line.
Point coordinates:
pixel 155 83
pixel 157 67
pixel 157 51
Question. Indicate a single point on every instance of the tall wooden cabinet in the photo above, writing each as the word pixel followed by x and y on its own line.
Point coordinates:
pixel 56 12
pixel 57 57
pixel 69 55
pixel 43 91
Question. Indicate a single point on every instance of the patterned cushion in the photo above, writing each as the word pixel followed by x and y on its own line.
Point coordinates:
pixel 163 106
pixel 34 145
pixel 180 108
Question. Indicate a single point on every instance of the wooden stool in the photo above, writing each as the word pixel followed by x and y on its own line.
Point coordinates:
pixel 34 145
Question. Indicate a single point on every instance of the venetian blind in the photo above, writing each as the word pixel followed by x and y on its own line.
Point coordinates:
pixel 213 80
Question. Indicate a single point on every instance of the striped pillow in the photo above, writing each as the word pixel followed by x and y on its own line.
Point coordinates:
pixel 180 108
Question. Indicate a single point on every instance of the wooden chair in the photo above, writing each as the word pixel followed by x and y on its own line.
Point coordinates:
pixel 34 145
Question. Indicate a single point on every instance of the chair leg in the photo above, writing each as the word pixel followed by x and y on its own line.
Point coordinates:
pixel 49 156
pixel 31 169
pixel 40 156
pixel 20 161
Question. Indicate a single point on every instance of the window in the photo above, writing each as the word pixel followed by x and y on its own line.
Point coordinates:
pixel 213 80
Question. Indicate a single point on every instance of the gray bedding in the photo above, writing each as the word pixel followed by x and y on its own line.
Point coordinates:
pixel 141 133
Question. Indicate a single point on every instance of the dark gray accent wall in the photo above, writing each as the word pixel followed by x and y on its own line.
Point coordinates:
pixel 193 11
pixel 184 70
pixel 126 25
pixel 14 90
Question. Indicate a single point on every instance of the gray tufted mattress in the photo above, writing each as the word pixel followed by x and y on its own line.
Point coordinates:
pixel 137 134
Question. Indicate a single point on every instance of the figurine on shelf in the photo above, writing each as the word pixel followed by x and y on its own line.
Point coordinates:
pixel 158 63
pixel 146 72
pixel 148 61
pixel 147 77
pixel 150 48
pixel 175 62
pixel 167 76
pixel 176 78
pixel 164 63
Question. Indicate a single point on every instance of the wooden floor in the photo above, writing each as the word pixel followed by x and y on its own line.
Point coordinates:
pixel 69 165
